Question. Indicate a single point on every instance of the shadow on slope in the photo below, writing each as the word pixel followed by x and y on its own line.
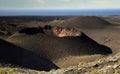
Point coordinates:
pixel 12 54
pixel 104 50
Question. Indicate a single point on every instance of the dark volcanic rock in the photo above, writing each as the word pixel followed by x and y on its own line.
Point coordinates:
pixel 31 31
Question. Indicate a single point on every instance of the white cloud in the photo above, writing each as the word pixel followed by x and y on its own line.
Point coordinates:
pixel 65 0
pixel 59 3
pixel 41 1
pixel 86 4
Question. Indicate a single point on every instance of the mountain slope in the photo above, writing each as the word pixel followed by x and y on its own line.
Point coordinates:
pixel 87 22
pixel 54 48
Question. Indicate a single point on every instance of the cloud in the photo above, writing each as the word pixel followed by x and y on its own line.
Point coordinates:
pixel 21 3
pixel 59 4
pixel 104 3
pixel 65 0
pixel 85 4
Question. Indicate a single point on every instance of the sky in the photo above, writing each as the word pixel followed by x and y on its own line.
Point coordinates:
pixel 58 4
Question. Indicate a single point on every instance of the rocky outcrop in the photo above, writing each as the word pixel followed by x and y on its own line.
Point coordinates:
pixel 64 32
pixel 106 65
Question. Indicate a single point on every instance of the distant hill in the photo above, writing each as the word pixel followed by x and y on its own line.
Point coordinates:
pixel 115 19
pixel 32 18
pixel 83 22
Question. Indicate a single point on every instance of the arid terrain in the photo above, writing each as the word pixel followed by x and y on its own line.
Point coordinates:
pixel 72 45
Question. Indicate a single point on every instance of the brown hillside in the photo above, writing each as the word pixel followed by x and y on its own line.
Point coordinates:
pixel 83 22
pixel 53 47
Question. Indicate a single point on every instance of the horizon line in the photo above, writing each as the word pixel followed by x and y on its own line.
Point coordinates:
pixel 57 8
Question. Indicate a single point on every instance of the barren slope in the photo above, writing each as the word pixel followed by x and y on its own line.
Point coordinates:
pixel 82 22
